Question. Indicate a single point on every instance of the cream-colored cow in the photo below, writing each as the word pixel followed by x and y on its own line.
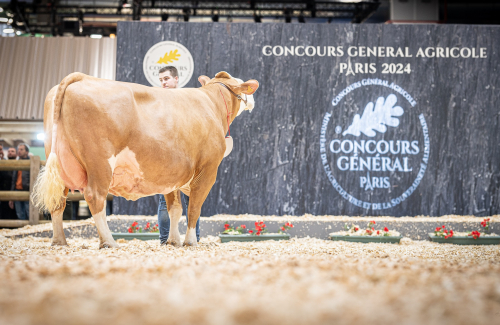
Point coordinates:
pixel 135 141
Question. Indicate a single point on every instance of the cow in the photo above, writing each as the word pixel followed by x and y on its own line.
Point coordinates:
pixel 130 140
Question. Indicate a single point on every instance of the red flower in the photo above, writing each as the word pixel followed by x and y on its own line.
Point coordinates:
pixel 373 228
pixel 243 226
pixel 283 228
pixel 250 232
pixel 438 228
pixel 378 232
pixel 256 223
pixel 386 229
pixel 130 230
pixel 291 226
pixel 373 222
pixel 356 228
pixel 443 226
pixel 134 224
pixel 475 234
pixel 258 233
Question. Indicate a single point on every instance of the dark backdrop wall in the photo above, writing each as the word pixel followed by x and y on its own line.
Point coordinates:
pixel 348 119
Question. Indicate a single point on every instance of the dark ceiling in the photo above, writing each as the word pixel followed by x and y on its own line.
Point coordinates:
pixel 82 18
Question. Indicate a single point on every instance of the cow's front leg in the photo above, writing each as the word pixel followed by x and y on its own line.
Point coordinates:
pixel 174 208
pixel 190 239
pixel 199 189
pixel 97 206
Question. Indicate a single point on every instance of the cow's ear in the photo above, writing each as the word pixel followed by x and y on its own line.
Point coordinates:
pixel 203 80
pixel 249 87
pixel 223 74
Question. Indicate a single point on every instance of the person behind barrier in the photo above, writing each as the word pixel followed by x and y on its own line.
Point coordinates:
pixel 21 182
pixel 12 153
pixel 7 210
pixel 169 79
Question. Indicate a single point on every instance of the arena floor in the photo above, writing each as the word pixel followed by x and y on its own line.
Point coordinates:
pixel 301 281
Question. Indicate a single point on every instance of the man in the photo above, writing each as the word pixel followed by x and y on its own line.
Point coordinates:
pixel 7 208
pixel 21 182
pixel 11 154
pixel 169 79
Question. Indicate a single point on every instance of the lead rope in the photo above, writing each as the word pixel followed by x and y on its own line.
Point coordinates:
pixel 228 114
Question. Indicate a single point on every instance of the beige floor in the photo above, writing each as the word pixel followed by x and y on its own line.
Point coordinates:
pixel 302 281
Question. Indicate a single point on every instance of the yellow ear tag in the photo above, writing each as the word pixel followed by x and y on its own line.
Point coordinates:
pixel 250 89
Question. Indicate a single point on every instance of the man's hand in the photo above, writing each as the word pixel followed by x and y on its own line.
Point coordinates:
pixel 11 204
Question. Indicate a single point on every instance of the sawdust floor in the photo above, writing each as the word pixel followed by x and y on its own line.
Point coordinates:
pixel 301 281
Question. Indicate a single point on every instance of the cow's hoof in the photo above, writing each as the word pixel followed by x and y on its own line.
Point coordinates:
pixel 173 243
pixel 190 243
pixel 59 243
pixel 108 245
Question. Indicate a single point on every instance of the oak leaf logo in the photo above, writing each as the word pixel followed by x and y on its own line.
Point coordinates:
pixel 169 57
pixel 376 119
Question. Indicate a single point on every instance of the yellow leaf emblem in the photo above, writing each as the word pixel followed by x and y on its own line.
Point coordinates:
pixel 169 57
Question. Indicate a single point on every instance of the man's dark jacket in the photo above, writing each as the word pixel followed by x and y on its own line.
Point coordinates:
pixel 5 180
pixel 25 177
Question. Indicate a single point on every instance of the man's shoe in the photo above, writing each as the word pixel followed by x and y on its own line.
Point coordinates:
pixel 163 243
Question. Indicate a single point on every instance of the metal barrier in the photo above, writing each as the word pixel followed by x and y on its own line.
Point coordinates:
pixel 33 166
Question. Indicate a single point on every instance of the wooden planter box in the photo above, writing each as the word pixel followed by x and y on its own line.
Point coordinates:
pixel 466 240
pixel 368 239
pixel 137 235
pixel 246 237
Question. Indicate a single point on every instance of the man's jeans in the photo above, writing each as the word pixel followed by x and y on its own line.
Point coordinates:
pixel 22 209
pixel 164 220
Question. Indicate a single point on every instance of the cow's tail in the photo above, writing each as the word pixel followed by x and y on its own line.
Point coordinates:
pixel 58 99
pixel 48 191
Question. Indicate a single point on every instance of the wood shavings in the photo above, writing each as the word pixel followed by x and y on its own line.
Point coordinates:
pixel 300 281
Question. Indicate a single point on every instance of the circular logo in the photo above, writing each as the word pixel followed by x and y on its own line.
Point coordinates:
pixel 375 155
pixel 168 53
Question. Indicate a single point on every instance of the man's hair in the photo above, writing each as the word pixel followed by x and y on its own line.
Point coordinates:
pixel 25 146
pixel 173 70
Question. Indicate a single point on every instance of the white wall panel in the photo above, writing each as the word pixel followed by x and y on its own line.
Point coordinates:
pixel 30 67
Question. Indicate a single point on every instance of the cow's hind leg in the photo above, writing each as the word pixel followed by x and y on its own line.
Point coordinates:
pixel 95 196
pixel 58 237
pixel 174 208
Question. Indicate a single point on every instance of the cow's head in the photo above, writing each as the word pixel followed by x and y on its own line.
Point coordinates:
pixel 245 89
